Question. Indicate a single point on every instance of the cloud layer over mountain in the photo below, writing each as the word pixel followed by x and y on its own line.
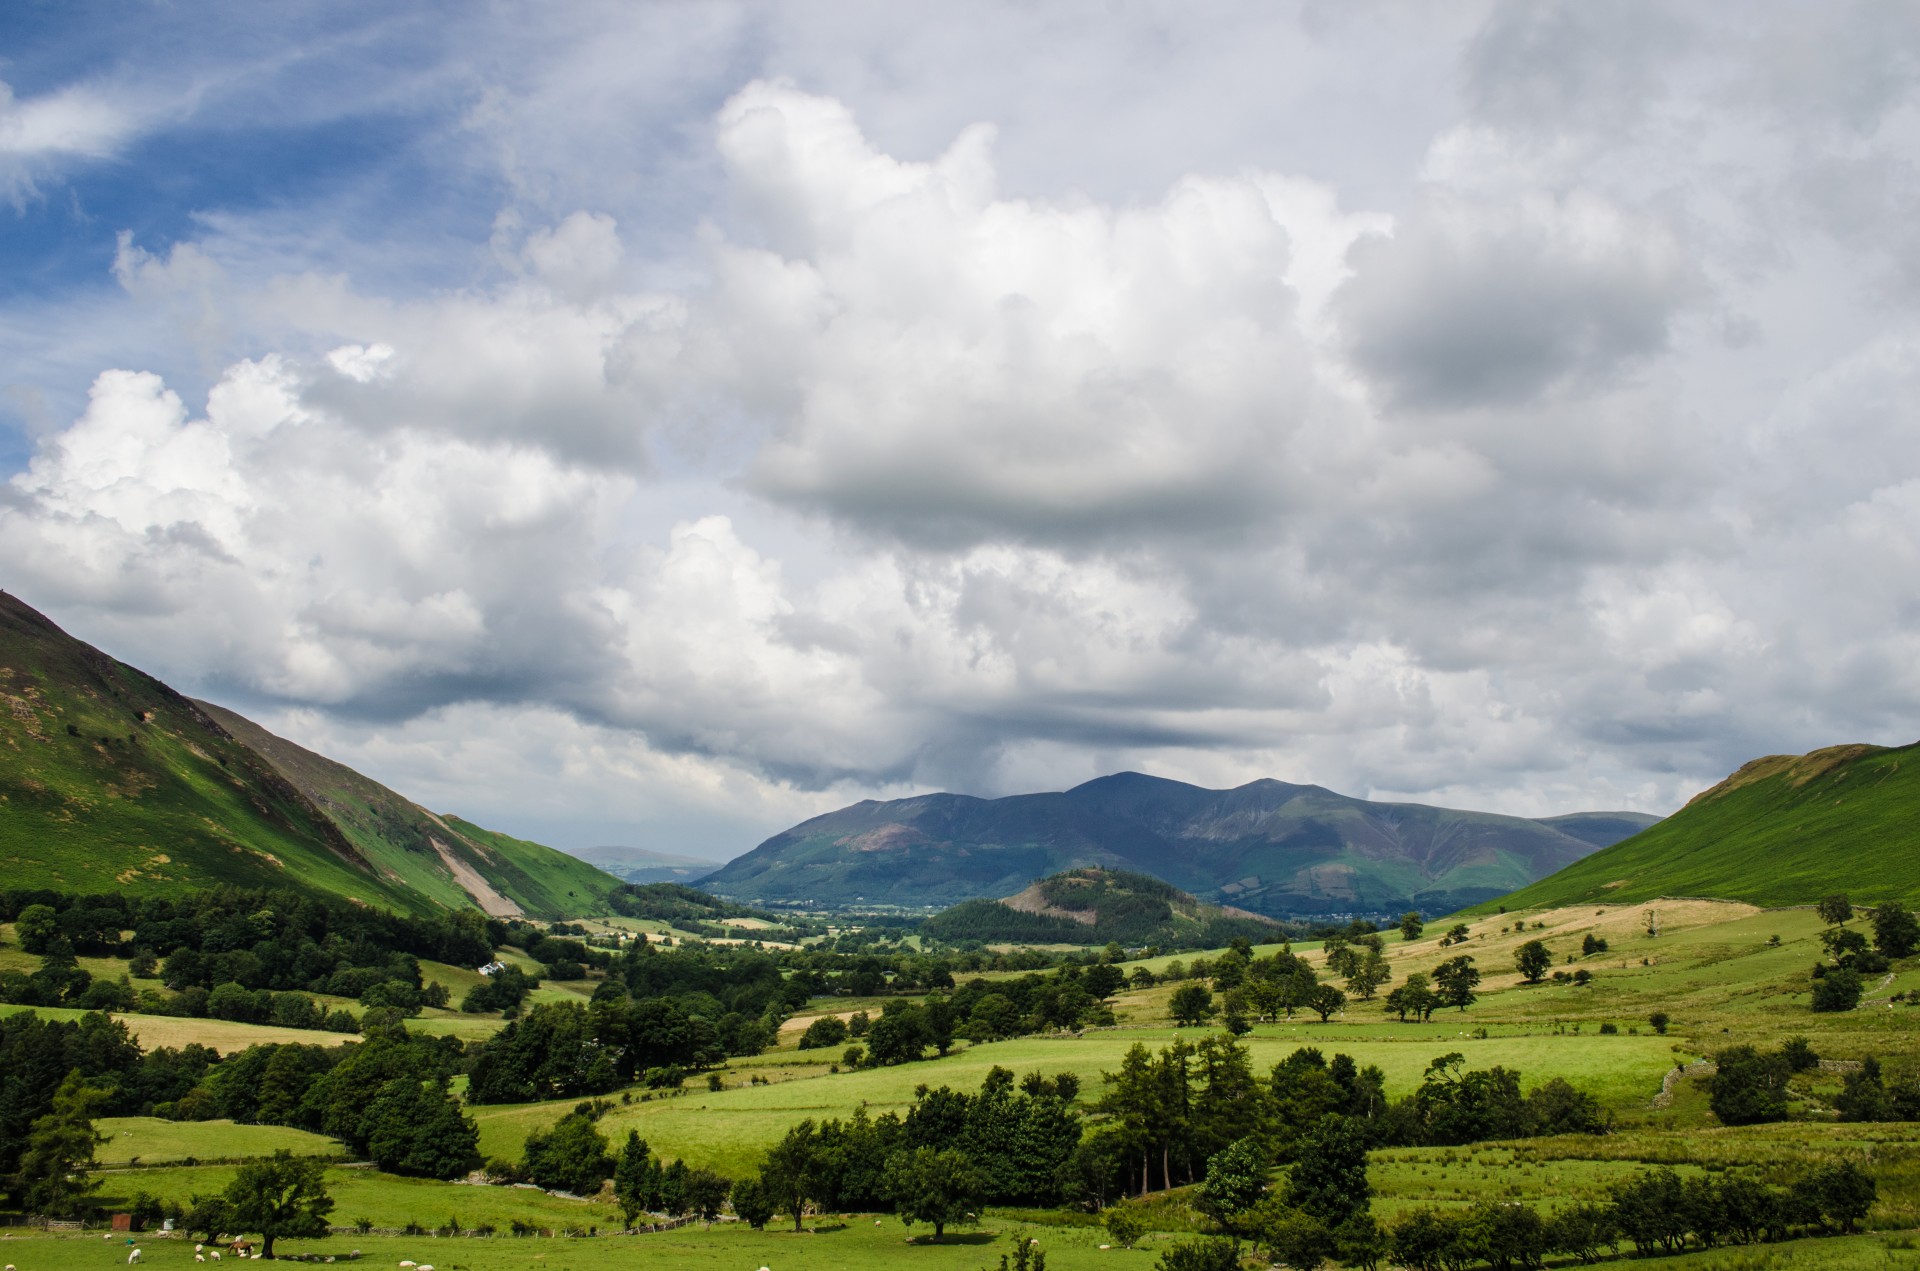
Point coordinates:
pixel 661 423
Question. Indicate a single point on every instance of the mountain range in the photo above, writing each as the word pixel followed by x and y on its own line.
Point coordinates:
pixel 1269 847
pixel 111 779
pixel 642 865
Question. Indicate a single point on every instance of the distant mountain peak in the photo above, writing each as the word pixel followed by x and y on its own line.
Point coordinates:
pixel 1268 846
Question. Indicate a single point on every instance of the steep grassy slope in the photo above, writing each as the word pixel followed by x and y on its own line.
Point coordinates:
pixel 544 880
pixel 108 778
pixel 1268 846
pixel 445 858
pixel 1784 830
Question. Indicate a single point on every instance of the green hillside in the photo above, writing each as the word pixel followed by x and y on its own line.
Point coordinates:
pixel 110 779
pixel 1783 830
pixel 1099 906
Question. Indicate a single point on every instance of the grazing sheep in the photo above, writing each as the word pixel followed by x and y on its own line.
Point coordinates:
pixel 426 1266
pixel 199 1257
pixel 409 1263
pixel 214 1254
pixel 133 1257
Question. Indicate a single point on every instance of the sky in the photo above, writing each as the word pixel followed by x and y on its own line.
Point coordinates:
pixel 655 424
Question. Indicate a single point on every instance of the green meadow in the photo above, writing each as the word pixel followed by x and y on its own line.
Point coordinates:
pixel 1725 973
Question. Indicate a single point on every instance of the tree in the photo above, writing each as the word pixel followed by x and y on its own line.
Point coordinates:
pixel 1103 981
pixel 1359 1242
pixel 36 926
pixel 704 1194
pixel 751 1202
pixel 1841 1194
pixel 1236 1180
pixel 1748 1087
pixel 1410 925
pixel 419 1129
pixel 284 1195
pixel 1413 998
pixel 1583 1231
pixel 1329 1176
pixel 825 1032
pixel 1324 1000
pixel 934 1185
pixel 1896 933
pixel 1191 1004
pixel 1208 1253
pixel 210 1215
pixel 1457 978
pixel 1534 960
pixel 59 1153
pixel 1125 1226
pixel 791 1175
pixel 1834 909
pixel 1372 972
pixel 1292 1236
pixel 633 1178
pixel 1838 990
pixel 571 1157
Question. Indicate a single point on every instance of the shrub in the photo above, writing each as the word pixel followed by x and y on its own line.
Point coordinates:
pixel 1838 990
pixel 828 1030
pixel 1749 1087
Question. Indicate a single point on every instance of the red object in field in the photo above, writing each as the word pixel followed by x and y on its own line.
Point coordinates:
pixel 123 1222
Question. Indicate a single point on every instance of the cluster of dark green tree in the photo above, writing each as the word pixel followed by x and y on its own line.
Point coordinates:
pixel 61 981
pixel 1074 996
pixel 99 1056
pixel 1011 1143
pixel 1750 1086
pixel 565 1050
pixel 1896 934
pixel 575 1157
pixel 387 1097
pixel 296 938
pixel 692 910
pixel 1166 1115
pixel 1321 1211
pixel 1658 1212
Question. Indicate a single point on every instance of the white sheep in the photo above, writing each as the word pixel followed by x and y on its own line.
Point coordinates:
pixel 133 1257
pixel 426 1266
pixel 409 1263
pixel 199 1248
pixel 199 1257
pixel 214 1254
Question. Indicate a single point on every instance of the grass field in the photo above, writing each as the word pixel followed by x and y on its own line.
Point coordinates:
pixel 151 1140
pixel 855 1244
pixel 1726 973
pixel 154 1031
pixel 729 1129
